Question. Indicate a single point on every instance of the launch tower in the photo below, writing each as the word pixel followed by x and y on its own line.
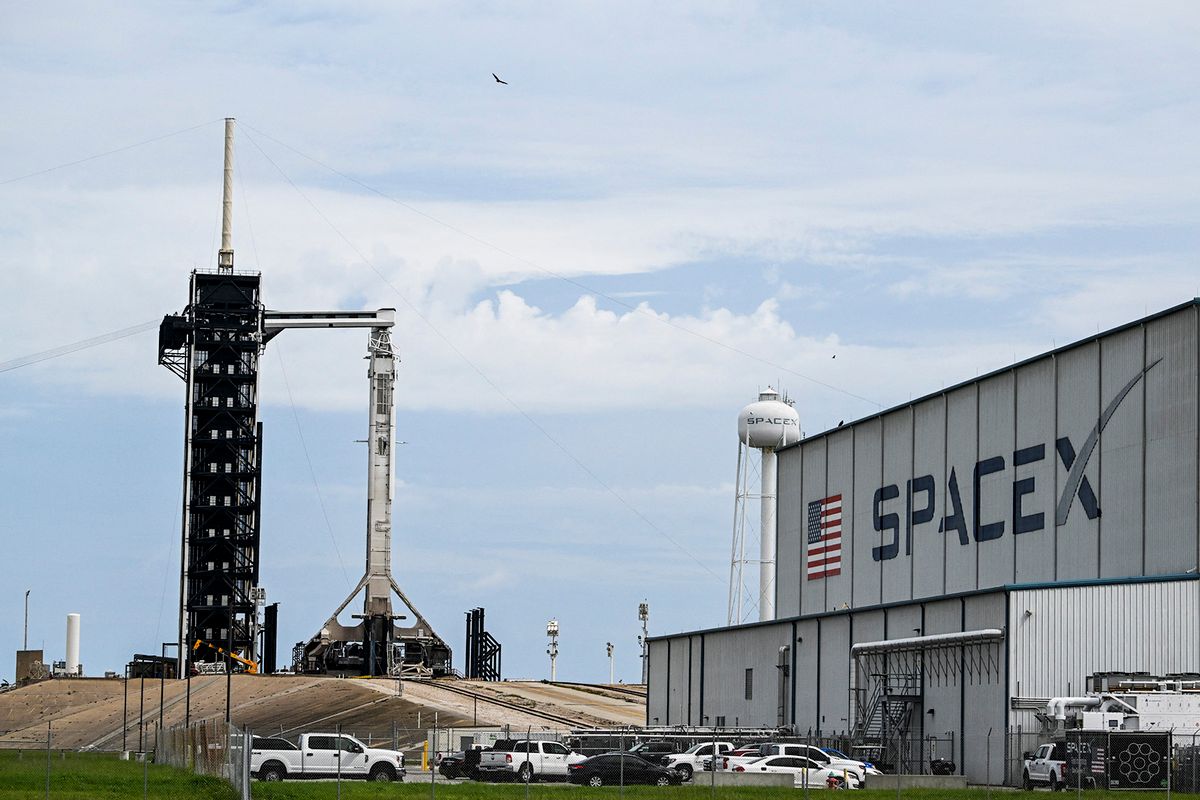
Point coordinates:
pixel 214 346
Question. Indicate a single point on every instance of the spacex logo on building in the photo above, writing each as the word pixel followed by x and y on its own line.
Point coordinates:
pixel 919 492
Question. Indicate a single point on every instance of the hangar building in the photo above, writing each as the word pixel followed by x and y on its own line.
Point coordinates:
pixel 1000 541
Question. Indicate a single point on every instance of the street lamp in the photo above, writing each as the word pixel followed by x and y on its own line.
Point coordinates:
pixel 644 616
pixel 609 645
pixel 552 650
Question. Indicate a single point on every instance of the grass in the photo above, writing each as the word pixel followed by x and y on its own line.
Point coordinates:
pixel 100 776
pixel 484 791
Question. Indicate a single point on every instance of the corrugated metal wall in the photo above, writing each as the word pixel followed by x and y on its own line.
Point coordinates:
pixel 708 668
pixel 1058 636
pixel 994 458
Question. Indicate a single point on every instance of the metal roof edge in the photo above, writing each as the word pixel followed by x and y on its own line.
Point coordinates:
pixel 1004 587
pixel 1195 301
pixel 1029 587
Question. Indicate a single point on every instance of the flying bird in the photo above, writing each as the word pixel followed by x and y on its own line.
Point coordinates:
pixel 497 77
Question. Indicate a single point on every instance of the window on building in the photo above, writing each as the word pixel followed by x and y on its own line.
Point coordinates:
pixel 750 684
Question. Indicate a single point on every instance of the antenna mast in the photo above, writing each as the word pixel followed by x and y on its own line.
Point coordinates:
pixel 225 255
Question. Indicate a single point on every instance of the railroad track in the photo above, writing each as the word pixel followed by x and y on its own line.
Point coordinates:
pixel 483 697
pixel 603 687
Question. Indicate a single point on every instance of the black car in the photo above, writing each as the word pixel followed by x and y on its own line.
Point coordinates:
pixel 654 751
pixel 615 768
pixel 463 764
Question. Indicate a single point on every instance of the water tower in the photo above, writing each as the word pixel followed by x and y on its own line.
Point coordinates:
pixel 765 425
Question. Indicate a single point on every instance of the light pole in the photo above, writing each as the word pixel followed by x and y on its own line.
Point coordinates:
pixel 644 616
pixel 610 663
pixel 25 646
pixel 552 650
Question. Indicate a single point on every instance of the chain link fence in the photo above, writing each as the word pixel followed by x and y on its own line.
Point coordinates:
pixel 214 748
pixel 1156 763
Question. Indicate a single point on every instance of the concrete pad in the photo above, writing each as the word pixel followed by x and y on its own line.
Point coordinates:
pixel 916 781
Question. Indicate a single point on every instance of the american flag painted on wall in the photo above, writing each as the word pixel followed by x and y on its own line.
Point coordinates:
pixel 825 537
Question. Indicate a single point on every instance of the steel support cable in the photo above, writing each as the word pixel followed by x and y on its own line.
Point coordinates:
pixel 578 284
pixel 74 347
pixel 107 153
pixel 291 401
pixel 483 376
pixel 162 602
pixel 312 472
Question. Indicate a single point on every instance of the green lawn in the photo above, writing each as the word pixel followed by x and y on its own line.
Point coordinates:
pixel 485 791
pixel 99 776
pixel 94 776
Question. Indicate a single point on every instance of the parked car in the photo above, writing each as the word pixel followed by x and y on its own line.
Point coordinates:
pixel 462 764
pixel 528 761
pixel 859 769
pixel 803 771
pixel 653 751
pixel 687 762
pixel 739 751
pixel 615 768
pixel 833 752
pixel 321 755
pixel 1047 765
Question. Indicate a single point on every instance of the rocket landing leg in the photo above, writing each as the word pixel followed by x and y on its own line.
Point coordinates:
pixel 377 645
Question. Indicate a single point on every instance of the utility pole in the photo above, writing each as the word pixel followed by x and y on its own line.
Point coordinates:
pixel 644 616
pixel 25 646
pixel 552 650
pixel 610 663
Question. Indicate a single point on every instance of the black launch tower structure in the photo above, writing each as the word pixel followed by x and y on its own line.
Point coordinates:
pixel 214 346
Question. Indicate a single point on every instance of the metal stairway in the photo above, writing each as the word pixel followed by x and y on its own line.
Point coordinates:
pixel 883 718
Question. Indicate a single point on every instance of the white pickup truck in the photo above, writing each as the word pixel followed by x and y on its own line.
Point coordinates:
pixel 856 768
pixel 692 759
pixel 528 761
pixel 323 755
pixel 1047 765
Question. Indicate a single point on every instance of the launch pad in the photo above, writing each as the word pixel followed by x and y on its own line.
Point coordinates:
pixel 214 345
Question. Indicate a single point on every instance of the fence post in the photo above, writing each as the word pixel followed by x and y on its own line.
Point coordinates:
pixel 142 715
pixel 247 747
pixel 988 764
pixel 125 710
pixel 807 745
pixel 49 736
pixel 898 763
pixel 621 781
pixel 339 760
pixel 1170 752
pixel 713 779
pixel 528 735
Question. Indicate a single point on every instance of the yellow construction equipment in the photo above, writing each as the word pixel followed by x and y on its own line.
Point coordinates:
pixel 251 666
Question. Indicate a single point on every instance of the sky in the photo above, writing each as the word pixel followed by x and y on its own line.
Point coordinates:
pixel 668 207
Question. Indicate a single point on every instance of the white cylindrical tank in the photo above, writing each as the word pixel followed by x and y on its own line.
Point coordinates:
pixel 766 547
pixel 72 644
pixel 769 422
pixel 765 425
